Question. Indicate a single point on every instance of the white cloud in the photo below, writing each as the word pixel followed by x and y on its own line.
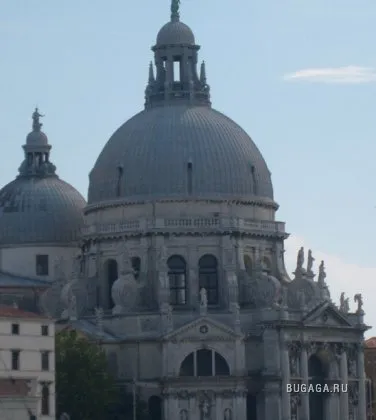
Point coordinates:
pixel 345 75
pixel 341 277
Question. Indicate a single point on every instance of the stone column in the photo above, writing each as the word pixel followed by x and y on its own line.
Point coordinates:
pixel 218 406
pixel 305 379
pixel 333 398
pixel 241 405
pixel 285 371
pixel 272 401
pixel 344 397
pixel 362 383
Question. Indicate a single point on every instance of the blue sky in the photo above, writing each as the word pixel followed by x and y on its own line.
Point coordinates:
pixel 298 76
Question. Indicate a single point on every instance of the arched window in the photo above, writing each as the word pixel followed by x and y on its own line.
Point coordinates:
pixel 208 277
pixel 204 362
pixel 136 265
pixel 155 408
pixel 177 278
pixel 317 375
pixel 111 269
pixel 248 264
pixel 45 400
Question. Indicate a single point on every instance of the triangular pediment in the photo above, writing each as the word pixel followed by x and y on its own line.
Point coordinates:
pixel 326 314
pixel 203 329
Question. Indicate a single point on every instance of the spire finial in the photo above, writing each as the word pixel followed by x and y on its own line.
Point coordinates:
pixel 175 4
pixel 151 73
pixel 203 73
pixel 36 123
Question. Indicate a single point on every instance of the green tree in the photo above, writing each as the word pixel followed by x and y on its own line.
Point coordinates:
pixel 84 387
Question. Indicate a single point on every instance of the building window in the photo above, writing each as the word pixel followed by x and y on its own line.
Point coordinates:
pixel 15 329
pixel 45 359
pixel 45 400
pixel 208 277
pixel 204 362
pixel 111 269
pixel 42 265
pixel 177 280
pixel 136 266
pixel 15 360
pixel 44 330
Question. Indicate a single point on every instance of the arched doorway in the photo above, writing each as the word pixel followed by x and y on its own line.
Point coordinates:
pixel 111 271
pixel 317 375
pixel 251 407
pixel 155 408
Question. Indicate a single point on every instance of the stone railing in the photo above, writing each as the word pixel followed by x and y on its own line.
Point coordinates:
pixel 208 224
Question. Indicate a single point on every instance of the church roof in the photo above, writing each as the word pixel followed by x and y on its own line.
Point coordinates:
pixel 13 312
pixel 371 342
pixel 11 280
pixel 39 207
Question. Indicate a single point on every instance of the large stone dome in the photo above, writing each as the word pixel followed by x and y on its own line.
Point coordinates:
pixel 149 157
pixel 40 210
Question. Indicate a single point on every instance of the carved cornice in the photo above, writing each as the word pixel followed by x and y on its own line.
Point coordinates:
pixel 185 226
pixel 257 201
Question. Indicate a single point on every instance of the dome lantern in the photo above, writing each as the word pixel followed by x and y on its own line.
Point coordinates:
pixel 37 152
pixel 175 56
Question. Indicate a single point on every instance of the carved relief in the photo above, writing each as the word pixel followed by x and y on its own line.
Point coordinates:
pixel 294 404
pixel 294 357
pixel 227 415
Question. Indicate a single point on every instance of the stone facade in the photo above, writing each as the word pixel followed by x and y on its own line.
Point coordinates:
pixel 181 273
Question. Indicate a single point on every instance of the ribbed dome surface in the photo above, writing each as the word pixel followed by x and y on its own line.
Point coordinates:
pixel 155 147
pixel 175 33
pixel 40 210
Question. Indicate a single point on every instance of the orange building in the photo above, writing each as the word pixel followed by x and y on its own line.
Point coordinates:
pixel 370 367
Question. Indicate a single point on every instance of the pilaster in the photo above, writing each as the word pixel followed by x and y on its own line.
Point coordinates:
pixel 304 374
pixel 362 382
pixel 344 397
pixel 286 380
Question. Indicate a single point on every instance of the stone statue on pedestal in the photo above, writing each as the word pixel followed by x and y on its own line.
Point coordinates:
pixel 300 260
pixel 322 274
pixel 310 262
pixel 359 299
pixel 344 305
pixel 203 301
pixel 227 415
pixel 205 410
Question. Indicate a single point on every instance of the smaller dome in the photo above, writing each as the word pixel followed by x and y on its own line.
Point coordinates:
pixel 36 138
pixel 40 210
pixel 175 33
